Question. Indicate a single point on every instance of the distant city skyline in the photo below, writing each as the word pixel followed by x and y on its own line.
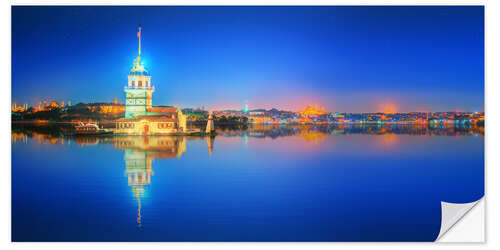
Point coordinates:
pixel 347 59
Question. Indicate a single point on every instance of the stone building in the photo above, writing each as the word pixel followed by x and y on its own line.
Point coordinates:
pixel 165 124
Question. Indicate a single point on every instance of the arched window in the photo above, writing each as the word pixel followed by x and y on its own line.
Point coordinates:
pixel 140 84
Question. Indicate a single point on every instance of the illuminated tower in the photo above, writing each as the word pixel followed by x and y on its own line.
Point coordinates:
pixel 245 108
pixel 139 90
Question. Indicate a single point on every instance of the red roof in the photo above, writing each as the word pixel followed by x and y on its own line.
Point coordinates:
pixel 162 109
pixel 147 118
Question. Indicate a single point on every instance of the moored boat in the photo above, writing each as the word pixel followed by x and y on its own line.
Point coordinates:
pixel 90 129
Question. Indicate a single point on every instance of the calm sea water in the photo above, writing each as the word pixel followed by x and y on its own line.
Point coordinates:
pixel 264 183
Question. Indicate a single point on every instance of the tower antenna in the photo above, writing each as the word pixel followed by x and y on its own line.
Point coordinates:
pixel 139 37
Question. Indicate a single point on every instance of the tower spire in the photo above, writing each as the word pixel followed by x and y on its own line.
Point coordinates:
pixel 139 37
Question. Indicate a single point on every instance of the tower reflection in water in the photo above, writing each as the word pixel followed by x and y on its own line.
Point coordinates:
pixel 140 151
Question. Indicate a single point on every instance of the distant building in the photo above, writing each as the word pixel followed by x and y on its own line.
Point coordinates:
pixel 46 106
pixel 310 111
pixel 107 108
pixel 256 112
pixel 53 105
pixel 16 108
pixel 245 108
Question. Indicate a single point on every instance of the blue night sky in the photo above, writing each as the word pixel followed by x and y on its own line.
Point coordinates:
pixel 349 59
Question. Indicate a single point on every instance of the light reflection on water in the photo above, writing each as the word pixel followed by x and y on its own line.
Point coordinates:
pixel 245 184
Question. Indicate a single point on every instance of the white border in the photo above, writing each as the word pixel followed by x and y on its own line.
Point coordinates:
pixel 246 2
pixel 492 108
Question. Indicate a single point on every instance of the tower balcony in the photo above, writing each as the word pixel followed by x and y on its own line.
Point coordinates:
pixel 137 87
